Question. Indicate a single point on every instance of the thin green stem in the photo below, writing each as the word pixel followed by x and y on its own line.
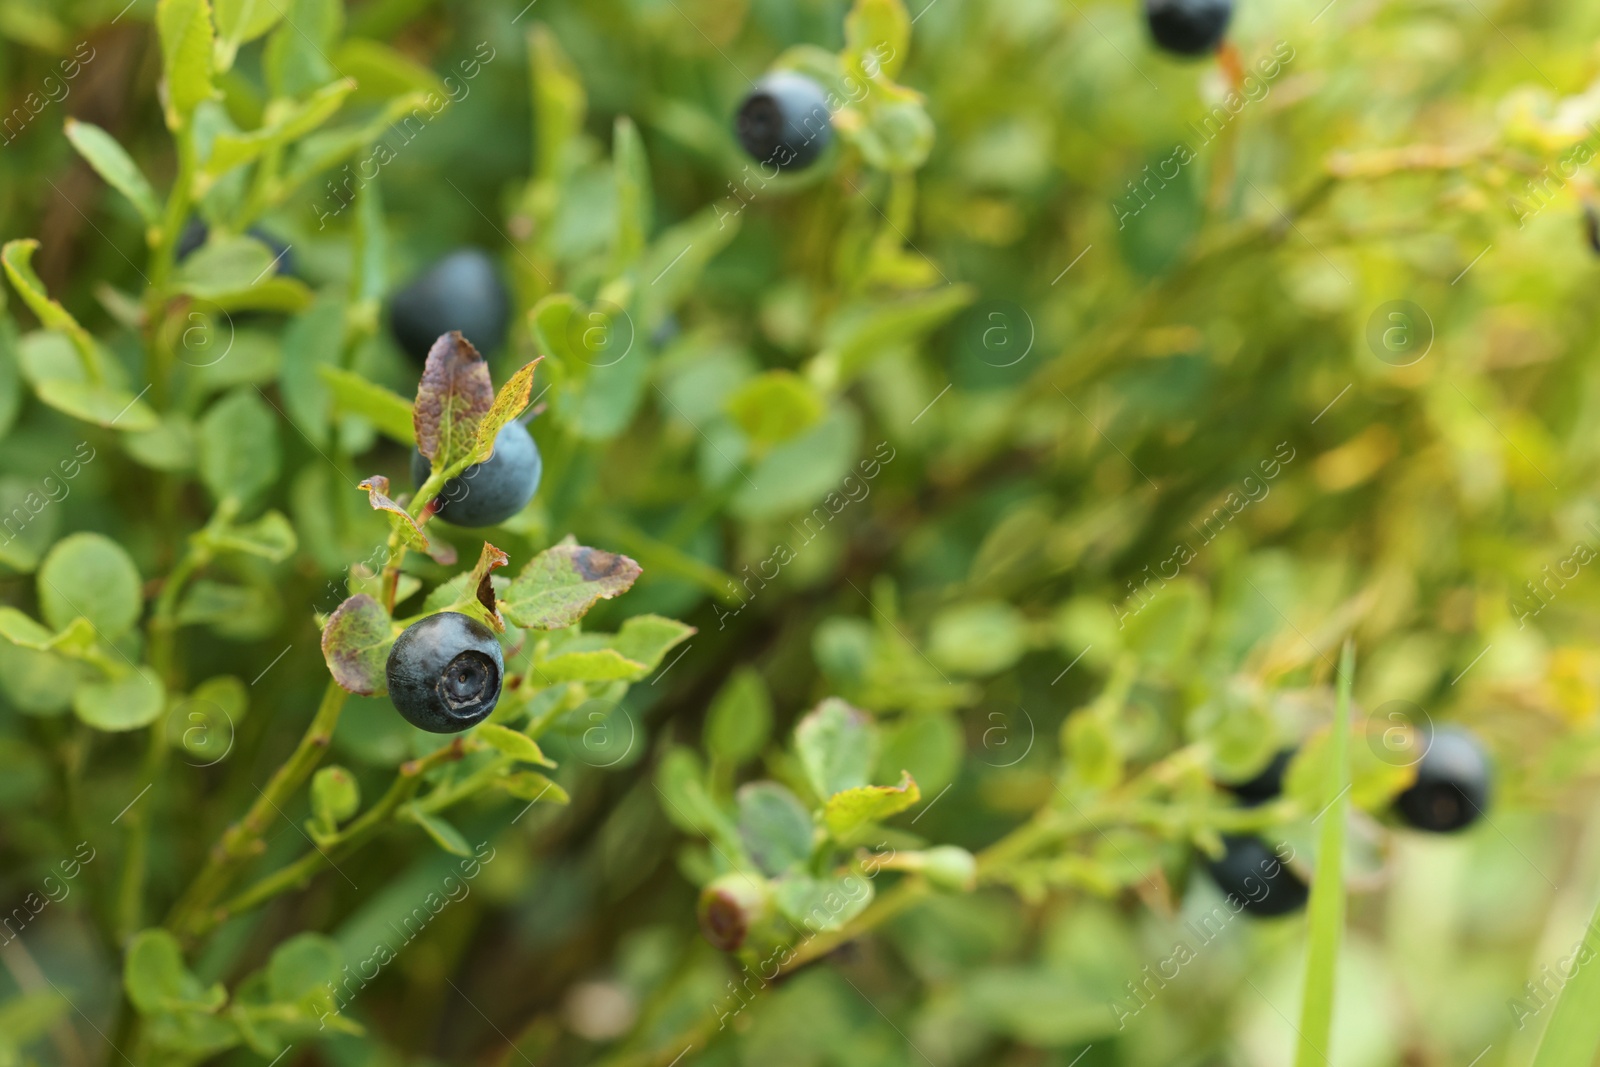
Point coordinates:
pixel 342 844
pixel 243 840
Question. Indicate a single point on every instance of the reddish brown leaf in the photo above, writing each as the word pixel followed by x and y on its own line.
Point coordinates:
pixel 454 396
pixel 356 643
pixel 488 561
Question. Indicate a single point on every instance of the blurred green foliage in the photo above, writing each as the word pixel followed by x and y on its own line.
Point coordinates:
pixel 1016 472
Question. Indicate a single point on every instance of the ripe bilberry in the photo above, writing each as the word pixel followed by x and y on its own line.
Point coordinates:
pixel 785 121
pixel 462 291
pixel 492 491
pixel 1452 786
pixel 1252 874
pixel 1188 27
pixel 444 673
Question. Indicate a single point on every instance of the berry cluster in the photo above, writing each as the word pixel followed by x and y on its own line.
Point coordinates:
pixel 1449 793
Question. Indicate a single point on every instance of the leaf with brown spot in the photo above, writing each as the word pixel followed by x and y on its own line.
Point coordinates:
pixel 508 404
pixel 488 561
pixel 453 398
pixel 356 643
pixel 560 585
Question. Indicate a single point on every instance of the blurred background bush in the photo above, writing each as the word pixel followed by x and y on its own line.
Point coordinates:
pixel 1065 417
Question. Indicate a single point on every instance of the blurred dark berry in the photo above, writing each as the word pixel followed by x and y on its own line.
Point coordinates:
pixel 785 121
pixel 1452 787
pixel 1188 27
pixel 463 291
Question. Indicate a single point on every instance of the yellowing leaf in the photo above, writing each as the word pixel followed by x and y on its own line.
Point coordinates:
pixel 849 811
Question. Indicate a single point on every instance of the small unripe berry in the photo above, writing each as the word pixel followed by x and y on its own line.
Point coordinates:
pixel 730 907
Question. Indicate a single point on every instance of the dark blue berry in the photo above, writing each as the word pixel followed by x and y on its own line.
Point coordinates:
pixel 444 673
pixel 1260 882
pixel 784 121
pixel 1188 27
pixel 1452 786
pixel 492 491
pixel 195 232
pixel 1264 786
pixel 462 291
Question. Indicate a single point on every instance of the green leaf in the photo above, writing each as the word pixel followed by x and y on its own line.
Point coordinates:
pixel 289 122
pixel 558 102
pixel 631 170
pixel 984 637
pixel 239 446
pixel 444 835
pixel 589 665
pixel 303 967
pixel 98 404
pixel 168 447
pixel 271 537
pixel 400 519
pixel 861 333
pixel 240 612
pixel 897 136
pixel 388 411
pixel 239 21
pixel 21 630
pixel 1573 1037
pixel 816 905
pixel 30 1016
pixel 29 521
pixel 774 826
pixel 877 37
pixel 296 59
pixel 335 797
pixel 646 639
pixel 136 699
pixel 356 643
pixel 775 406
pixel 454 397
pixel 804 472
pixel 156 980
pixel 847 812
pixel 383 72
pixel 677 259
pixel 532 786
pixel 112 162
pixel 508 404
pixel 17 257
pixel 187 54
pixel 89 574
pixel 686 802
pixel 518 746
pixel 204 723
pixel 740 719
pixel 561 584
pixel 1374 780
pixel 1327 906
pixel 1093 754
pixel 225 265
pixel 838 746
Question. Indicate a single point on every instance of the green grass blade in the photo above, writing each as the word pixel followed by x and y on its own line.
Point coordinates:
pixel 1573 1038
pixel 1327 887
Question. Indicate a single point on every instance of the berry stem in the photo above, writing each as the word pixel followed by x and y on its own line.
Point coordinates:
pixel 342 844
pixel 242 840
